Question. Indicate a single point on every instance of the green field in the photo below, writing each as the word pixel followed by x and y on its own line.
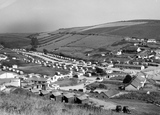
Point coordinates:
pixel 38 69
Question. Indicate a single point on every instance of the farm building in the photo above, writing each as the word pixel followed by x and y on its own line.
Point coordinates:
pixel 68 97
pixel 116 74
pixel 131 49
pixel 109 93
pixel 82 99
pixel 57 96
pixel 129 66
pixel 137 83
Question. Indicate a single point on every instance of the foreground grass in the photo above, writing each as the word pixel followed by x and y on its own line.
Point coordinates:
pixel 16 104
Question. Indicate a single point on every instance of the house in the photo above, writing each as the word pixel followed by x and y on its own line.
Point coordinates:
pixel 151 41
pixel 68 97
pixel 119 52
pixel 3 57
pixel 82 99
pixel 137 82
pixel 10 82
pixel 127 38
pixel 129 66
pixel 57 96
pixel 13 82
pixel 109 93
pixel 117 74
pixel 54 86
pixel 2 86
pixel 39 82
pixel 4 75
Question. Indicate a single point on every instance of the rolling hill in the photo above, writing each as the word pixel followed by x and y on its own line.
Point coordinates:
pixel 15 40
pixel 77 41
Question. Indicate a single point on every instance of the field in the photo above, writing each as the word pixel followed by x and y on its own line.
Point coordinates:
pixel 66 82
pixel 149 30
pixel 96 41
pixel 41 70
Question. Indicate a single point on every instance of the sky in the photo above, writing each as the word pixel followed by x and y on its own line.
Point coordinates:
pixel 49 15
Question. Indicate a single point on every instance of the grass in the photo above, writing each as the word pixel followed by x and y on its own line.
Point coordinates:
pixel 23 102
pixel 15 40
pixel 19 104
pixel 153 97
pixel 41 70
pixel 67 82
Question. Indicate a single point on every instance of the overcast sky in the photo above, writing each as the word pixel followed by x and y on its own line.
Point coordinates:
pixel 49 15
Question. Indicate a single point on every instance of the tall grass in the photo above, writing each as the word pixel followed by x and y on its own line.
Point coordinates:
pixel 17 104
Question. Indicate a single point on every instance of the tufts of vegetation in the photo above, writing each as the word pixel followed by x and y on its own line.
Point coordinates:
pixel 153 97
pixel 19 104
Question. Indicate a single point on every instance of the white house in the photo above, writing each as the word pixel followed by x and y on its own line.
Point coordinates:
pixel 15 66
pixel 2 87
pixel 3 57
pixel 13 82
pixel 151 41
pixel 8 75
pixel 119 52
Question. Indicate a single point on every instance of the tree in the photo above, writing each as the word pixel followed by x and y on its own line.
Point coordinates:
pixel 127 79
pixel 34 42
pixel 45 51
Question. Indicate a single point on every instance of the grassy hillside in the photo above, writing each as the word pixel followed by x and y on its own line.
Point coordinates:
pixel 79 40
pixel 21 102
pixel 15 40
pixel 149 30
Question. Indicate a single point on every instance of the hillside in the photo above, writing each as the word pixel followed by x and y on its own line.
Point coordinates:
pixel 15 40
pixel 78 41
pixel 21 102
